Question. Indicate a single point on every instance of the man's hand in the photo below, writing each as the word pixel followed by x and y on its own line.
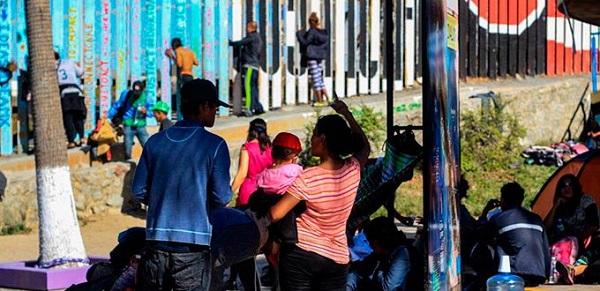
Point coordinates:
pixel 493 203
pixel 143 110
pixel 169 53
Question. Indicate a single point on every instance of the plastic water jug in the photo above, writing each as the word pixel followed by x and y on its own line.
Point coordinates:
pixel 505 281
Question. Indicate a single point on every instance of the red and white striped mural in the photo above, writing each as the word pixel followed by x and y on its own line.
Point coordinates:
pixel 526 37
pixel 568 52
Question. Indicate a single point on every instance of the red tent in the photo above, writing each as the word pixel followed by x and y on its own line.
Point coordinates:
pixel 585 166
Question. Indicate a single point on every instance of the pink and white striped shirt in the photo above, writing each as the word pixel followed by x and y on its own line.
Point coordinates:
pixel 329 196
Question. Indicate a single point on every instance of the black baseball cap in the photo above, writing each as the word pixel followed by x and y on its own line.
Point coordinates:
pixel 199 91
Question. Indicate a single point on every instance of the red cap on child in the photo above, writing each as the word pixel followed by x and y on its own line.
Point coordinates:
pixel 288 141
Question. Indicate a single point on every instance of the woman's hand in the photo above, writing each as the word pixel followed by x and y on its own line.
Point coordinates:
pixel 339 106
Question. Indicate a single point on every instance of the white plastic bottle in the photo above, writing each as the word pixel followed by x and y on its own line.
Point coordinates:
pixel 553 272
pixel 504 280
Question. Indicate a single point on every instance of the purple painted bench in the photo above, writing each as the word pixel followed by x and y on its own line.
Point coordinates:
pixel 23 275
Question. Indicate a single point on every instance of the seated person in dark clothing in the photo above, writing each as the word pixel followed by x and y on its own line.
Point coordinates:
pixel 520 234
pixel 390 265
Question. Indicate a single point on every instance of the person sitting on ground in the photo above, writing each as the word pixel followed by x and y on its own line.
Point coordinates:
pixel 573 216
pixel 520 234
pixel 389 266
pixel 160 111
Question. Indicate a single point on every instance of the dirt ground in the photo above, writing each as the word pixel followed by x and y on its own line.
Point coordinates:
pixel 99 236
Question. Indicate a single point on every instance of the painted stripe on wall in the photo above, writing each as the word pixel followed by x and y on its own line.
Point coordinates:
pixel 165 68
pixel 302 74
pixel 89 63
pixel 262 12
pixel 289 53
pixel 74 35
pixel 136 41
pixel 105 50
pixel 374 72
pixel 195 22
pixel 121 48
pixel 151 41
pixel 6 55
pixel 363 81
pixel 58 24
pixel 223 59
pixel 277 66
pixel 340 46
pixel 351 34
pixel 208 41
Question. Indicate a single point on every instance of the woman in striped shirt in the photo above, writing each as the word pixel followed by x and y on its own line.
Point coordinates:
pixel 319 260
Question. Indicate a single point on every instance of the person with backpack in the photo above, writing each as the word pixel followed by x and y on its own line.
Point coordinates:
pixel 130 113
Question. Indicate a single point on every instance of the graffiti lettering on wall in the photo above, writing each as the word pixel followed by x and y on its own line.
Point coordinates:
pixel 5 57
pixel 73 33
pixel 105 72
pixel 89 63
pixel 165 71
pixel 136 43
pixel 408 107
pixel 209 41
pixel 150 25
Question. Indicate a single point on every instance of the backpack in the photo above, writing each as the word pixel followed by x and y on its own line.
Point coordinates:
pixel 117 119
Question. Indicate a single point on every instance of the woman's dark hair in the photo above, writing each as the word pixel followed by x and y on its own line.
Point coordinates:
pixel 573 182
pixel 383 230
pixel 340 141
pixel 282 154
pixel 258 130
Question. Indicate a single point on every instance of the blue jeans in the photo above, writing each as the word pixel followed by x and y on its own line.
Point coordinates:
pixel 129 133
pixel 160 270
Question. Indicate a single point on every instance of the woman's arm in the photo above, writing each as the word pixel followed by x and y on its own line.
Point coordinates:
pixel 242 171
pixel 363 154
pixel 285 205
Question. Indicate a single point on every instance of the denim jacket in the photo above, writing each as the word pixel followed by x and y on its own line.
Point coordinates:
pixel 183 174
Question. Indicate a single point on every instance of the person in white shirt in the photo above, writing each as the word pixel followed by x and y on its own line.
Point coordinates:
pixel 71 99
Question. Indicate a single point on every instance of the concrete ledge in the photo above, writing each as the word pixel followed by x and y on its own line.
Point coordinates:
pixel 23 275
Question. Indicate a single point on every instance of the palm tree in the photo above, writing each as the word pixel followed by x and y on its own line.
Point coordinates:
pixel 60 238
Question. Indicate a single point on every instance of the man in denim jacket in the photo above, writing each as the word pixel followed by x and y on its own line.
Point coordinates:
pixel 182 175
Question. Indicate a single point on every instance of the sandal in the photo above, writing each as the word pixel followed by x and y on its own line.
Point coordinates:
pixel 71 145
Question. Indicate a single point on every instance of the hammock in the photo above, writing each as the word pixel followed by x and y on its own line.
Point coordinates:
pixel 381 180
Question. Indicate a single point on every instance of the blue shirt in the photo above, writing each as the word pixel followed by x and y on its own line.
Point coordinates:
pixel 132 115
pixel 183 174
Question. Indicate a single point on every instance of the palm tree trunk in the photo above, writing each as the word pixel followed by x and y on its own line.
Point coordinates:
pixel 60 238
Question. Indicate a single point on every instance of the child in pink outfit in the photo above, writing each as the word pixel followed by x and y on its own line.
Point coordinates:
pixel 278 178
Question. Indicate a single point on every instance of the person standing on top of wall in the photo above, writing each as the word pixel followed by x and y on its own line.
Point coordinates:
pixel 71 99
pixel 185 59
pixel 251 54
pixel 313 50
